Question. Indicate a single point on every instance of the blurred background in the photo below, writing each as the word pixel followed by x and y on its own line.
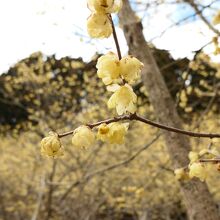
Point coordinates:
pixel 48 82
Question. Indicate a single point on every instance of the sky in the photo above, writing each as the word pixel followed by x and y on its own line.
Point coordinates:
pixel 59 27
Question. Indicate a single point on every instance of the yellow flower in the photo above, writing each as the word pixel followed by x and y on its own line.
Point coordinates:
pixel 51 145
pixel 106 6
pixel 123 100
pixel 99 25
pixel 130 68
pixel 193 156
pixel 209 153
pixel 111 70
pixel 103 131
pixel 181 174
pixel 216 19
pixel 203 152
pixel 108 68
pixel 139 192
pixel 197 170
pixel 83 137
pixel 113 133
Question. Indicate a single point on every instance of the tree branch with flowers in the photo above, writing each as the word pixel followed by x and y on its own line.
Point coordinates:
pixel 119 75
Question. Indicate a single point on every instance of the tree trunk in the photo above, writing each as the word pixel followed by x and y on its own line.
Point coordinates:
pixel 198 201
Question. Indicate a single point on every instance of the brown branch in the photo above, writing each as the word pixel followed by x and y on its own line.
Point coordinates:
pixel 115 38
pixel 216 160
pixel 136 117
pixel 198 12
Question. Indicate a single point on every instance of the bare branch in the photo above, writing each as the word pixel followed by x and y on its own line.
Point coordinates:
pixel 108 168
pixel 136 117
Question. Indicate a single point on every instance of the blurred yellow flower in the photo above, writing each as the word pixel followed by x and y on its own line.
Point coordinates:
pixel 51 145
pixel 83 137
pixel 130 68
pixel 193 156
pixel 99 25
pixel 123 99
pixel 113 133
pixel 181 174
pixel 197 170
pixel 106 6
pixel 216 19
pixel 108 68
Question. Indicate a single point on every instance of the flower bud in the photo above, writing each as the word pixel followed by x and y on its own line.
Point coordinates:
pixel 51 145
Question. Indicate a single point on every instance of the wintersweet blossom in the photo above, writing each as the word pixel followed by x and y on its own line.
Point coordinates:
pixel 113 70
pixel 124 99
pixel 83 137
pixel 216 19
pixel 193 156
pixel 51 145
pixel 181 174
pixel 108 68
pixel 106 6
pixel 130 68
pixel 99 25
pixel 113 133
pixel 197 170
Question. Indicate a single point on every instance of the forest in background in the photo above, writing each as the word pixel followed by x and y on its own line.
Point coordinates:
pixel 42 93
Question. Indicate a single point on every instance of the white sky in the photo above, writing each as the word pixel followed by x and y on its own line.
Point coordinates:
pixel 27 26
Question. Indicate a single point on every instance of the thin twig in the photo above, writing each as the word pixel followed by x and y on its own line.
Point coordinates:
pixel 216 160
pixel 136 117
pixel 202 17
pixel 115 38
pixel 108 168
pixel 40 198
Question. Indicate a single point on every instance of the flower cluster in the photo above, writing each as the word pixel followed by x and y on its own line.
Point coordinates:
pixel 196 168
pixel 117 75
pixel 113 133
pixel 84 137
pixel 112 70
pixel 99 23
